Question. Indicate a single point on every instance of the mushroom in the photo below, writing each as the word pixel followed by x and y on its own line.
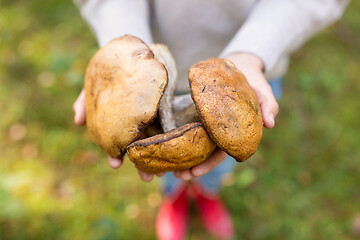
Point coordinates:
pixel 178 149
pixel 117 107
pixel 228 106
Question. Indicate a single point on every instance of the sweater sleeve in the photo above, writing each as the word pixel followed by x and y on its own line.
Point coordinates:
pixel 278 27
pixel 110 19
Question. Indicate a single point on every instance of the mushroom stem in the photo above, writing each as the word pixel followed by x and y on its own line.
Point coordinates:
pixel 173 111
pixel 186 115
pixel 162 54
pixel 184 110
pixel 181 101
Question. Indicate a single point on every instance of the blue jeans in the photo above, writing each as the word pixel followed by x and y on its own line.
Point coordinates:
pixel 211 181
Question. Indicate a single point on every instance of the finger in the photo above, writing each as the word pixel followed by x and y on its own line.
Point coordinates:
pixel 269 110
pixel 160 174
pixel 115 162
pixel 269 106
pixel 79 109
pixel 184 175
pixel 209 164
pixel 146 177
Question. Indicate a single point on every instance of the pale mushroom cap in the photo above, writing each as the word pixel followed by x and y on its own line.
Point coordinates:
pixel 178 149
pixel 228 106
pixel 123 87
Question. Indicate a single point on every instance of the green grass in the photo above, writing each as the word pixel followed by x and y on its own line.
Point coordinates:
pixel 303 183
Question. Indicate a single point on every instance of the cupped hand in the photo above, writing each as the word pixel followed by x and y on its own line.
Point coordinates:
pixel 252 67
pixel 115 163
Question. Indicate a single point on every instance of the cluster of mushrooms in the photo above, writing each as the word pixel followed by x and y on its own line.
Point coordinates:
pixel 129 89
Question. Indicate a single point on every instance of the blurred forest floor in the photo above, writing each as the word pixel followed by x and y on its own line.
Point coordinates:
pixel 303 183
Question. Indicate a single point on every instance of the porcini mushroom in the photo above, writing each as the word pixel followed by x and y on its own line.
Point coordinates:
pixel 228 106
pixel 176 150
pixel 117 106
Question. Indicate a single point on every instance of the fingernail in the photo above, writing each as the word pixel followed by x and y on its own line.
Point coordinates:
pixel 115 163
pixel 195 172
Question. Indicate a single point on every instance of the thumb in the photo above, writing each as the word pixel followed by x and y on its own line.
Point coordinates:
pixel 269 106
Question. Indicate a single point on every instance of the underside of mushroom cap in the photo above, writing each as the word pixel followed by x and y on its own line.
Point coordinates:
pixel 123 87
pixel 228 106
pixel 178 149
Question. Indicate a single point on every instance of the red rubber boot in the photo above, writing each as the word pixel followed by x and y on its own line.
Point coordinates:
pixel 172 218
pixel 213 213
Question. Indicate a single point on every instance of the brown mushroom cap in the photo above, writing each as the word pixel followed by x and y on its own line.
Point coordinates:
pixel 117 107
pixel 228 106
pixel 178 149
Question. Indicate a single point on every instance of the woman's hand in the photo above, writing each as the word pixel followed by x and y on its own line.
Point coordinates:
pixel 252 67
